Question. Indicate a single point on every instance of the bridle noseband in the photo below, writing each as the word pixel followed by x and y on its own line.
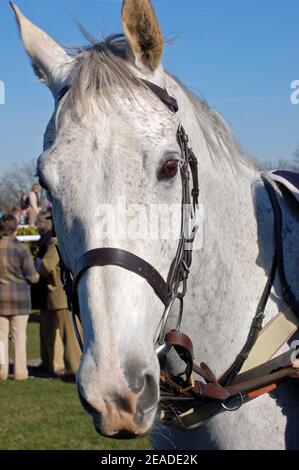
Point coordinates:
pixel 175 287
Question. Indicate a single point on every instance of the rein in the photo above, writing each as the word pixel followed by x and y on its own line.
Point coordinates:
pixel 212 396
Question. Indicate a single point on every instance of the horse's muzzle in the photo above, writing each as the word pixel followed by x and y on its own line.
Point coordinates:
pixel 124 417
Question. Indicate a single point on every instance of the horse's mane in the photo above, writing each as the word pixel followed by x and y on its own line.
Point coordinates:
pixel 216 131
pixel 102 66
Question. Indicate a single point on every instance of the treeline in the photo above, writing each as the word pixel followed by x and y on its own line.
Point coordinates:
pixel 282 164
pixel 14 182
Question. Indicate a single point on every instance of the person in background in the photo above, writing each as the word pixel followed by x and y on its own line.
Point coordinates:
pixel 51 347
pixel 34 204
pixel 17 272
pixel 57 306
pixel 24 204
pixel 16 211
pixel 1 214
pixel 24 201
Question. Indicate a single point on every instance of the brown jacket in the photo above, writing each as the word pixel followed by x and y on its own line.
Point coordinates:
pixel 51 271
pixel 17 272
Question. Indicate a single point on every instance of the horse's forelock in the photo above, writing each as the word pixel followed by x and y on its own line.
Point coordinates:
pixel 98 70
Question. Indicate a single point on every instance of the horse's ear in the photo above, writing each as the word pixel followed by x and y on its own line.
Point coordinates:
pixel 48 58
pixel 142 30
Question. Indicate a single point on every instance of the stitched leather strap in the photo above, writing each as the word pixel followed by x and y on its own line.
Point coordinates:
pixel 126 260
pixel 161 93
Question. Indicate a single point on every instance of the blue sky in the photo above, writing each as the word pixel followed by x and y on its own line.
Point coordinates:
pixel 241 55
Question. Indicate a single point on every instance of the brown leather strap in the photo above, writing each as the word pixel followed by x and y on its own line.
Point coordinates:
pixel 126 260
pixel 196 391
pixel 177 339
pixel 250 384
pixel 161 93
pixel 278 362
pixel 211 391
pixel 184 348
pixel 204 371
pixel 262 391
pixel 260 382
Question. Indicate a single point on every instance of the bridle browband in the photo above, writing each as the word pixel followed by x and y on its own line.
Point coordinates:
pixel 211 397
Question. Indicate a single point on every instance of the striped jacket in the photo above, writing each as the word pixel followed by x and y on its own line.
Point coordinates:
pixel 17 272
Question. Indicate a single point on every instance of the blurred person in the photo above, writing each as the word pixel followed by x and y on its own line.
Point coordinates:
pixel 1 214
pixel 58 307
pixel 24 201
pixel 16 211
pixel 24 204
pixel 51 347
pixel 34 204
pixel 17 272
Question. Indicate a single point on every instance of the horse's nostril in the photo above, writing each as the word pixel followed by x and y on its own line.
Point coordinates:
pixel 134 376
pixel 141 380
pixel 149 396
pixel 136 383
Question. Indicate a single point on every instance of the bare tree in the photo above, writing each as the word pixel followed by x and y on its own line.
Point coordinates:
pixel 296 155
pixel 15 181
pixel 281 164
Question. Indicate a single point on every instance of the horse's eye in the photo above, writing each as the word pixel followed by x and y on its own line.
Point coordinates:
pixel 169 169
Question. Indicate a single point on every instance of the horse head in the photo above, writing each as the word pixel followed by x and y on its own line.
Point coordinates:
pixel 111 142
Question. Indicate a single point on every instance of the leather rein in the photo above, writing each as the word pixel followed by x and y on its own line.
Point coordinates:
pixel 214 394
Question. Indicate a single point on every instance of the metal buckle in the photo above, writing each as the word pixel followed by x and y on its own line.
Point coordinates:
pixel 190 386
pixel 163 347
pixel 236 407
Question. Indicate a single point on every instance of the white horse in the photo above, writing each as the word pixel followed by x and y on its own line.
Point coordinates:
pixel 111 137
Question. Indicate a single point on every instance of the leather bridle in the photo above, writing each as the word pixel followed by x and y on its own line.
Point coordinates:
pixel 211 396
pixel 175 287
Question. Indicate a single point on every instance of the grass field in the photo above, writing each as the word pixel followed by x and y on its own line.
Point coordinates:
pixel 46 414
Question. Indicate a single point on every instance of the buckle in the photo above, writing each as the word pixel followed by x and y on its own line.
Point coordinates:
pixel 190 387
pixel 162 347
pixel 234 407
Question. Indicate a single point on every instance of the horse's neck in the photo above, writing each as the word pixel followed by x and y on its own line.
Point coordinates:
pixel 230 270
